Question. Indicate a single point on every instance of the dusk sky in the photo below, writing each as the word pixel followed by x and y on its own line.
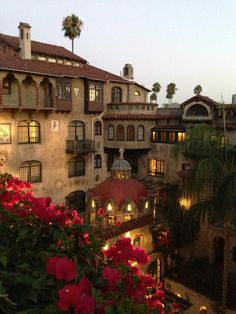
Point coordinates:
pixel 186 42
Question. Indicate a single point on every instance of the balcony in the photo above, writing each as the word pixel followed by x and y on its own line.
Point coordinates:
pixel 80 147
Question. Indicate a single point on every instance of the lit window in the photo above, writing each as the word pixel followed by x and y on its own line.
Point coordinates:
pixel 181 136
pixel 95 92
pixel 156 167
pixel 31 171
pixel 163 137
pixel 154 136
pixel 137 240
pixel 137 93
pixel 171 137
pixel 76 167
pixel 28 132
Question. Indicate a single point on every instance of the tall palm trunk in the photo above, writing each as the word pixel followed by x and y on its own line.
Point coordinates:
pixel 225 268
pixel 72 42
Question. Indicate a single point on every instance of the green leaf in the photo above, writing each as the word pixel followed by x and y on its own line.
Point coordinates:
pixel 3 260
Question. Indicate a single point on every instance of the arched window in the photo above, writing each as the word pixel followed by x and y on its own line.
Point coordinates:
pixel 197 110
pixel 110 132
pixel 97 161
pixel 98 128
pixel 116 94
pixel 28 132
pixel 140 133
pixel 31 171
pixel 76 200
pixel 130 133
pixel 76 131
pixel 95 92
pixel 120 133
pixel 76 167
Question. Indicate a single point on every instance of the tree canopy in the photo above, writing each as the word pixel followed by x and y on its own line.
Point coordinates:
pixel 71 26
pixel 197 89
pixel 170 91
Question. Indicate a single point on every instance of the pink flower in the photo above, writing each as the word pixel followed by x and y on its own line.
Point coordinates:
pixel 112 275
pixel 51 265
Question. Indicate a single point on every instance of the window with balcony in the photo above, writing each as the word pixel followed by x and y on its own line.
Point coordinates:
pixel 156 167
pixel 28 132
pixel 76 167
pixel 63 89
pixel 140 133
pixel 31 171
pixel 181 136
pixel 95 92
pixel 111 134
pixel 76 130
pixel 120 133
pixel 7 85
pixel 98 161
pixel 98 128
pixel 172 137
pixel 116 94
pixel 130 133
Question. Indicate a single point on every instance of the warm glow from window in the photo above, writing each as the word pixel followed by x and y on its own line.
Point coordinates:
pixel 93 204
pixel 185 202
pixel 127 235
pixel 129 208
pixel 109 207
pixel 203 309
pixel 146 204
pixel 178 295
pixel 106 247
pixel 181 136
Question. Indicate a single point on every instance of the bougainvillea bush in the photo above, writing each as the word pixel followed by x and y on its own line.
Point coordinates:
pixel 52 262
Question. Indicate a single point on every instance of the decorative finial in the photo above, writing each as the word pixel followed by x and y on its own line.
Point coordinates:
pixel 121 151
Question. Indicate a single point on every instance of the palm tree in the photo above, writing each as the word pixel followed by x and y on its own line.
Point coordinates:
pixel 170 91
pixel 197 90
pixel 213 181
pixel 72 25
pixel 156 87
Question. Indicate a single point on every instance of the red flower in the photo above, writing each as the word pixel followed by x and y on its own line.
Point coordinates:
pixel 86 305
pixel 62 268
pixel 68 297
pixel 112 275
pixel 141 256
pixel 51 265
pixel 101 212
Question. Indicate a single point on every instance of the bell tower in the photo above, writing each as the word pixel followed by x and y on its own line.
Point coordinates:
pixel 128 72
pixel 25 40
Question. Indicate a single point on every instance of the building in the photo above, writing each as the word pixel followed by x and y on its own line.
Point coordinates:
pixel 63 121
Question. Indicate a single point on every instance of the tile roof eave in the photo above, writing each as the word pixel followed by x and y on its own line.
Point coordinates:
pixel 37 72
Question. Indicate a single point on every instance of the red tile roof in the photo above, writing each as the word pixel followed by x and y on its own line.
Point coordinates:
pixel 129 116
pixel 49 68
pixel 139 222
pixel 55 69
pixel 198 98
pixel 42 48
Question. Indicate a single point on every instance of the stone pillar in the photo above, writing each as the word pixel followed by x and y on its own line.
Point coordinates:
pixel 53 96
pixel 37 96
pixel 20 94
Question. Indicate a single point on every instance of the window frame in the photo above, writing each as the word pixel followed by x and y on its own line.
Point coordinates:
pixel 120 133
pixel 157 169
pixel 25 131
pixel 130 132
pixel 73 169
pixel 63 89
pixel 97 128
pixel 27 167
pixel 76 130
pixel 111 132
pixel 95 92
pixel 97 161
pixel 116 94
pixel 140 138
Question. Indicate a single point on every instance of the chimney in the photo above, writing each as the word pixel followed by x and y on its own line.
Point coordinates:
pixel 128 72
pixel 25 40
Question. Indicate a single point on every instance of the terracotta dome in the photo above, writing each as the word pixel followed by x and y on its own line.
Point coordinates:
pixel 120 190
